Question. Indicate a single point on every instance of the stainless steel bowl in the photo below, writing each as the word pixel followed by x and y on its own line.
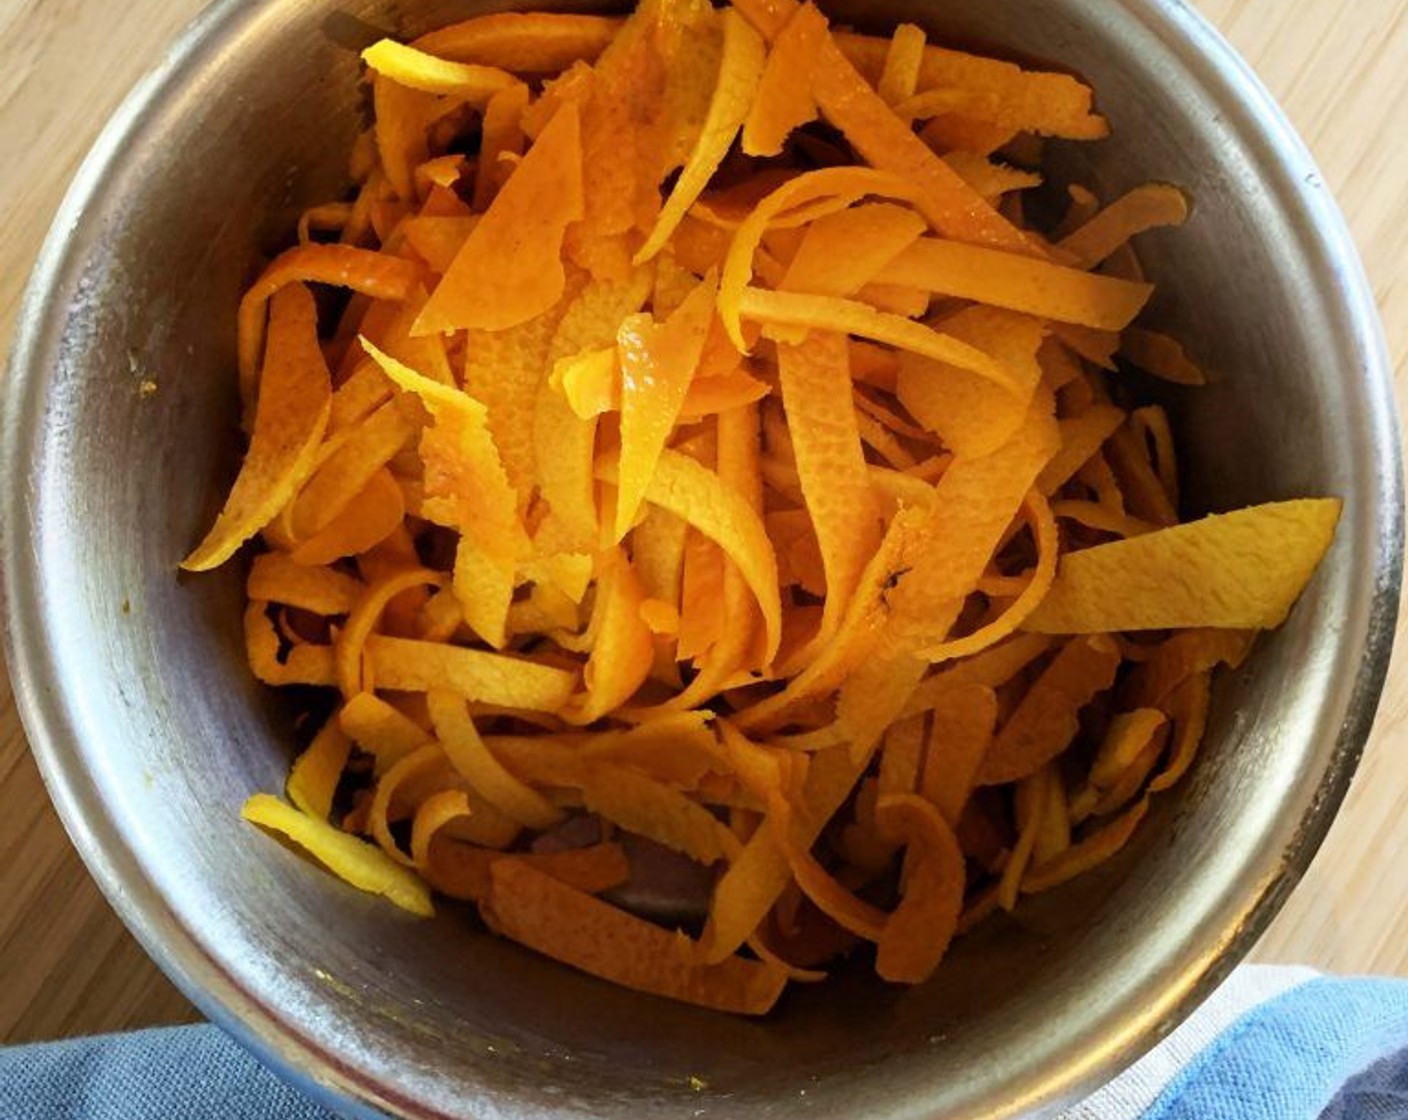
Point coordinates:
pixel 150 732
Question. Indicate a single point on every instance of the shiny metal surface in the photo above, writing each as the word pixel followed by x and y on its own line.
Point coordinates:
pixel 132 684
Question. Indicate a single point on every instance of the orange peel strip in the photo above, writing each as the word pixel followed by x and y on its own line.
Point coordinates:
pixel 873 365
pixel 315 774
pixel 291 415
pixel 1124 740
pixel 590 381
pixel 917 934
pixel 1160 355
pixel 563 442
pixel 331 216
pixel 1096 346
pixel 354 861
pixel 831 466
pixel 709 396
pixel 464 872
pixel 1151 423
pixel 1047 718
pixel 437 240
pixel 384 732
pixel 658 363
pixel 389 326
pixel 1144 208
pixel 911 303
pixel 510 268
pixel 1180 657
pixel 503 140
pixel 623 649
pixel 1031 597
pixel 657 554
pixel 963 720
pixel 1091 851
pixel 701 590
pixel 639 804
pixel 1241 570
pixel 415 69
pixel 799 554
pixel 834 186
pixel 1018 283
pixel 477 765
pixel 696 494
pixel 305 664
pixel 503 370
pixel 409 665
pixel 691 45
pixel 992 668
pixel 740 69
pixel 1029 801
pixel 829 896
pixel 378 275
pixel 1188 705
pixel 1094 515
pixel 991 180
pixel 441 172
pixel 373 514
pixel 784 99
pixel 352 639
pixel 416 770
pixel 523 42
pixel 483 584
pixel 1053 834
pixel 861 627
pixel 538 911
pixel 349 468
pixel 677 748
pixel 853 317
pixel 402 129
pixel 748 889
pixel 952 132
pixel 901 756
pixel 939 564
pixel 739 470
pixel 364 390
pixel 899 76
pixel 1081 437
pixel 465 478
pixel 274 576
pixel 1098 801
pixel 973 415
pixel 433 814
pixel 841 252
pixel 1049 104
pixel 885 141
pixel 1059 365
pixel 974 503
pixel 1128 455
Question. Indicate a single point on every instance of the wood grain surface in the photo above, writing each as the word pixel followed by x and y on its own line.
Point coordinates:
pixel 68 967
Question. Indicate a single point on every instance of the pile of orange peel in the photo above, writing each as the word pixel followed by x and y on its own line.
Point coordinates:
pixel 708 444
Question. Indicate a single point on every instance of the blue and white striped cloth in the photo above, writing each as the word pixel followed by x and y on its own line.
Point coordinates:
pixel 1271 1044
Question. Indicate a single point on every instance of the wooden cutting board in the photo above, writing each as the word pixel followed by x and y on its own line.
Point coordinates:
pixel 1340 70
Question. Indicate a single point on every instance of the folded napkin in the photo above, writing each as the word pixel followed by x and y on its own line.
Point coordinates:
pixel 1271 1044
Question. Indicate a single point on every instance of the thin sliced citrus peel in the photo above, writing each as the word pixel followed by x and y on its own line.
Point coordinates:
pixel 785 520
